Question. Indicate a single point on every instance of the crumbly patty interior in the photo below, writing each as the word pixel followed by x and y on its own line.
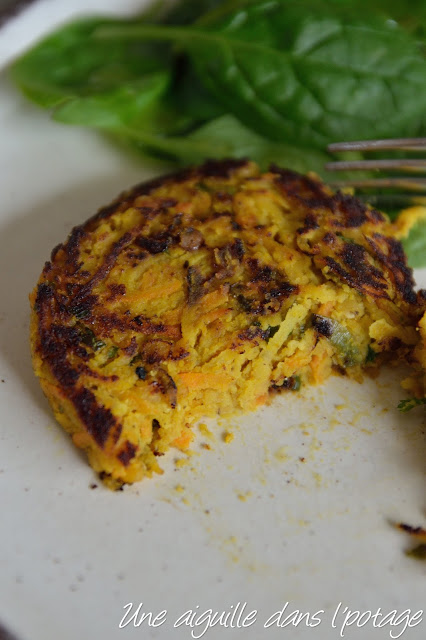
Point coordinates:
pixel 204 293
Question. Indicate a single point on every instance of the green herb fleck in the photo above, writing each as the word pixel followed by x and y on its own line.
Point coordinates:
pixel 419 552
pixel 292 383
pixel 89 338
pixel 244 303
pixel 410 403
pixel 345 238
pixel 297 383
pixel 112 353
pixel 371 354
pixel 80 311
pixel 342 339
pixel 270 332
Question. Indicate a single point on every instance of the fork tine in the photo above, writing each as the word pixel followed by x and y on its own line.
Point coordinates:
pixel 413 188
pixel 410 184
pixel 403 144
pixel 403 164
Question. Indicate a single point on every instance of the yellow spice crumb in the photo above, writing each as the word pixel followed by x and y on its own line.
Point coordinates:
pixel 182 462
pixel 204 430
pixel 243 496
pixel 281 454
pixel 228 437
pixel 334 422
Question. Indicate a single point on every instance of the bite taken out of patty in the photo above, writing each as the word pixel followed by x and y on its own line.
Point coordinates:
pixel 206 292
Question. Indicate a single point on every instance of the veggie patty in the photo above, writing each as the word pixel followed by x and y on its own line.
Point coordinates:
pixel 206 292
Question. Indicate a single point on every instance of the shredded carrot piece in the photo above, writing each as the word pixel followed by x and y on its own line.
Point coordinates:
pixel 198 380
pixel 214 315
pixel 261 400
pixel 154 293
pixel 184 440
pixel 325 308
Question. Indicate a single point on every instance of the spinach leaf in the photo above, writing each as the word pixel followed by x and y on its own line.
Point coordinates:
pixel 415 245
pixel 188 95
pixel 94 82
pixel 224 137
pixel 303 73
pixel 227 136
pixel 299 73
pixel 126 104
pixel 410 15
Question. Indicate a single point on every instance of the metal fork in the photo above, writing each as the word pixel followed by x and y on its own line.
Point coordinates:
pixel 384 188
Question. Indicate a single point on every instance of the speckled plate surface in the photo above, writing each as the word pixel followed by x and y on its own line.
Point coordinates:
pixel 290 515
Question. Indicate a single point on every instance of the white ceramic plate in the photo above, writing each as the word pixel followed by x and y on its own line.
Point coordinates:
pixel 295 509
